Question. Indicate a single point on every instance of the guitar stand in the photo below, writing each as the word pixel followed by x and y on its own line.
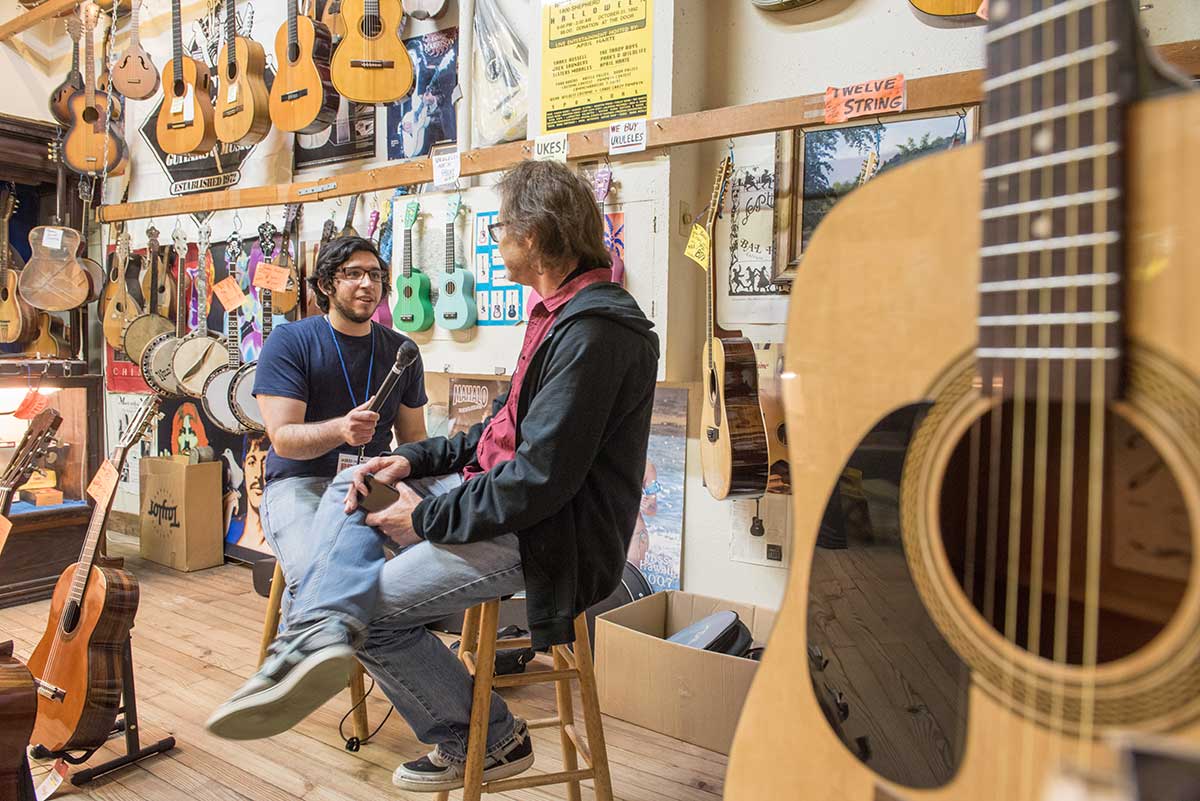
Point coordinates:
pixel 127 723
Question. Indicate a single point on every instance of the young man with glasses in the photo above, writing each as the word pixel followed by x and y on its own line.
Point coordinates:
pixel 542 496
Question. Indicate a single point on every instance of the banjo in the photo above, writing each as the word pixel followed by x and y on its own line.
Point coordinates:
pixel 216 388
pixel 145 327
pixel 241 388
pixel 159 354
pixel 201 351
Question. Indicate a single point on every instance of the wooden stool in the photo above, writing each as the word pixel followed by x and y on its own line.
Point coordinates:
pixel 478 648
pixel 271 627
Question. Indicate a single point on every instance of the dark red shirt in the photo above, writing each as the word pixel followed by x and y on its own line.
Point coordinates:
pixel 498 443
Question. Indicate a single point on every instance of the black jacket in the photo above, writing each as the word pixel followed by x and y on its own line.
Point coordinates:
pixel 573 489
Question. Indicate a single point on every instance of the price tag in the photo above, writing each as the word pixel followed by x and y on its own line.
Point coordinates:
pixel 231 94
pixel 698 245
pixel 552 147
pixel 52 781
pixel 869 98
pixel 103 483
pixel 271 276
pixel 177 105
pixel 447 167
pixel 627 137
pixel 52 238
pixel 230 293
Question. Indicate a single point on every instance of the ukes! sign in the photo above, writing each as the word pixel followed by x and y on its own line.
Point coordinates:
pixel 884 96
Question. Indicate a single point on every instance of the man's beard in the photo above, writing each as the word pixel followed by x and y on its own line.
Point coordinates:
pixel 351 314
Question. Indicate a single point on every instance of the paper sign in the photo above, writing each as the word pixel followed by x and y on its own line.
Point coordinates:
pixel 698 245
pixel 550 148
pixel 231 94
pixel 52 781
pixel 189 107
pixel 104 482
pixel 229 292
pixel 271 276
pixel 627 137
pixel 52 238
pixel 883 96
pixel 447 167
pixel 982 13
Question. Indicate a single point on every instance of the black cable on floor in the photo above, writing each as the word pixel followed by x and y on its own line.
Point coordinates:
pixel 353 743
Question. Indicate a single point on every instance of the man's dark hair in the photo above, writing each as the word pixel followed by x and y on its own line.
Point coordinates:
pixel 332 256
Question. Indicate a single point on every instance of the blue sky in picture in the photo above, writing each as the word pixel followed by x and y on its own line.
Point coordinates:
pixel 848 163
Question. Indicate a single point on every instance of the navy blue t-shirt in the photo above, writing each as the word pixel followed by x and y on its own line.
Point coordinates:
pixel 300 361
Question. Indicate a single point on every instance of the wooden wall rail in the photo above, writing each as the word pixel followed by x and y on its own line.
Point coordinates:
pixel 23 22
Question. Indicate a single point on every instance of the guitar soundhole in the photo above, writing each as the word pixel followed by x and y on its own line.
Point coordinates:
pixel 70 617
pixel 179 89
pixel 4 294
pixel 1033 516
pixel 293 52
pixel 408 292
pixel 371 26
pixel 90 115
pixel 450 287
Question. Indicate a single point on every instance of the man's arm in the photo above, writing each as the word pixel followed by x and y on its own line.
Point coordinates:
pixel 441 455
pixel 410 424
pixel 292 438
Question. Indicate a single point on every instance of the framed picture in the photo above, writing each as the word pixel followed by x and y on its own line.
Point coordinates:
pixel 816 167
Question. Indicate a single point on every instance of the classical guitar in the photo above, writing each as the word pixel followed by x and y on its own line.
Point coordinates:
pixel 94 144
pixel 155 280
pixel 158 358
pixel 733 439
pixel 287 300
pixel 455 309
pixel 61 96
pixel 242 402
pixel 18 321
pixel 1033 603
pixel 120 307
pixel 413 310
pixel 78 660
pixel 303 99
pixel 202 350
pixel 243 113
pixel 54 279
pixel 216 388
pixel 185 119
pixel 18 710
pixel 135 75
pixel 371 63
pixel 154 321
pixel 948 9
pixel 34 445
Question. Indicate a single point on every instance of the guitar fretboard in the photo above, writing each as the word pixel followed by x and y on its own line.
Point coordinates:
pixel 177 41
pixel 293 33
pixel 408 252
pixel 230 37
pixel 450 245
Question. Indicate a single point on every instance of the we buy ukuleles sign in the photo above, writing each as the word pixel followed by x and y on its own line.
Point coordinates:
pixel 882 96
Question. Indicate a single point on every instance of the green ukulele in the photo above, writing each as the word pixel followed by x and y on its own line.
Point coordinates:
pixel 413 310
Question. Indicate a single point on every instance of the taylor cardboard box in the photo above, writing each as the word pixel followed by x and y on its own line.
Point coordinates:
pixel 682 692
pixel 181 513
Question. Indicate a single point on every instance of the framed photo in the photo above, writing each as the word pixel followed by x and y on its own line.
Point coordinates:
pixel 816 167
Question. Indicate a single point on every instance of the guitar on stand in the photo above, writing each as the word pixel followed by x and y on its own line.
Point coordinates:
pixel 455 309
pixel 413 310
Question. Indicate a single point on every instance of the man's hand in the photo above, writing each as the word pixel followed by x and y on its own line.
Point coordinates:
pixel 386 469
pixel 358 426
pixel 395 522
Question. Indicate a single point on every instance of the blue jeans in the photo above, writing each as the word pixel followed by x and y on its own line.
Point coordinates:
pixel 340 571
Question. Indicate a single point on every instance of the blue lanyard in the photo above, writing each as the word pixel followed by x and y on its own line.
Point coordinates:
pixel 345 372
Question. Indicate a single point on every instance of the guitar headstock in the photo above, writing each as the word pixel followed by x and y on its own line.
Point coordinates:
pixel 266 239
pixel 152 245
pixel 123 247
pixel 720 181
pixel 328 231
pixel 138 428
pixel 410 214
pixel 91 14
pixel 602 182
pixel 35 444
pixel 179 239
pixel 453 207
pixel 74 30
pixel 8 201
pixel 205 242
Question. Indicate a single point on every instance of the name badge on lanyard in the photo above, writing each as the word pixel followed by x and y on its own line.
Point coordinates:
pixel 346 460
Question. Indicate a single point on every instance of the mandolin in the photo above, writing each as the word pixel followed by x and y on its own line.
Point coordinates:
pixel 54 279
pixel 158 357
pixel 371 63
pixel 948 9
pixel 94 145
pixel 242 102
pixel 287 300
pixel 78 660
pixel 154 321
pixel 413 310
pixel 185 119
pixel 155 280
pixel 302 99
pixel 455 309
pixel 733 439
pixel 1034 318
pixel 202 350
pixel 18 321
pixel 120 307
pixel 61 96
pixel 216 389
pixel 135 75
pixel 18 710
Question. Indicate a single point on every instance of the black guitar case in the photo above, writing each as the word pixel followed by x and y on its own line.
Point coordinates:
pixel 720 632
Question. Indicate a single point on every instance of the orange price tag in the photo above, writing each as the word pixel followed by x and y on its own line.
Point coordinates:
pixel 982 13
pixel 5 527
pixel 271 276
pixel 230 293
pixel 104 482
pixel 884 96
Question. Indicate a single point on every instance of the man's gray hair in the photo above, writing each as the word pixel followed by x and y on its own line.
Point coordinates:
pixel 548 202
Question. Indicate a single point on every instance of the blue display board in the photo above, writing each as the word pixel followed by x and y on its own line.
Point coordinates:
pixel 500 301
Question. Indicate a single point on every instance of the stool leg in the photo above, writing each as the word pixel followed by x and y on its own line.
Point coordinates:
pixel 271 623
pixel 469 641
pixel 481 701
pixel 357 699
pixel 566 714
pixel 591 710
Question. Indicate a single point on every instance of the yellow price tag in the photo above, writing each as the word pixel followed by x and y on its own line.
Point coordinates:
pixel 698 246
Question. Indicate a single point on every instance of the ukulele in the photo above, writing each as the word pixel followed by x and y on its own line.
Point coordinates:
pixel 455 309
pixel 54 279
pixel 733 438
pixel 158 288
pixel 120 307
pixel 185 119
pixel 424 9
pixel 371 63
pixel 303 99
pixel 963 10
pixel 18 710
pixel 153 322
pixel 1034 316
pixel 93 145
pixel 216 388
pixel 242 101
pixel 202 350
pixel 18 319
pixel 159 356
pixel 135 75
pixel 60 98
pixel 287 300
pixel 413 311
pixel 78 660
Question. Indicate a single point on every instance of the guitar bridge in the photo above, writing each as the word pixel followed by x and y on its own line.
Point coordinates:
pixel 229 112
pixel 174 125
pixel 450 316
pixel 293 95
pixel 713 433
pixel 406 318
pixel 372 63
pixel 48 690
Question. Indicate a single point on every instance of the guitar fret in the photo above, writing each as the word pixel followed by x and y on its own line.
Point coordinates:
pixel 1037 18
pixel 1102 50
pixel 1052 318
pixel 1059 202
pixel 1052 160
pixel 1096 103
pixel 1086 354
pixel 1057 243
pixel 1055 282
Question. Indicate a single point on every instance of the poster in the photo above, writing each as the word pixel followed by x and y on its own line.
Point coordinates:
pixel 500 301
pixel 657 544
pixel 426 116
pixel 614 242
pixel 471 401
pixel 351 136
pixel 122 408
pixel 751 199
pixel 596 62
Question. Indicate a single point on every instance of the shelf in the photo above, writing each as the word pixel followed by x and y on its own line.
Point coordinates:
pixel 23 22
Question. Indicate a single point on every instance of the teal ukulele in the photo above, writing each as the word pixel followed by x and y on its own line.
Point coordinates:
pixel 455 307
pixel 413 311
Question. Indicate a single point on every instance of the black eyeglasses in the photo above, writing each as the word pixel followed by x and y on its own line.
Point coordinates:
pixel 355 275
pixel 492 229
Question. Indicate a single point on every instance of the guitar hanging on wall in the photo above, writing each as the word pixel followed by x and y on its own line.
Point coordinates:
pixel 18 320
pixel 120 307
pixel 185 118
pixel 371 63
pixel 154 321
pixel 135 75
pixel 303 99
pixel 54 279
pixel 455 309
pixel 413 310
pixel 243 113
pixel 60 98
pixel 94 144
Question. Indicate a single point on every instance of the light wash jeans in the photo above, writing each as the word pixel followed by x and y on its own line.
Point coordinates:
pixel 336 568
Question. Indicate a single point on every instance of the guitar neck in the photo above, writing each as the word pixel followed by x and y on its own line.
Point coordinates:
pixel 4 250
pixel 202 292
pixel 230 34
pixel 268 314
pixel 233 332
pixel 87 557
pixel 408 252
pixel 89 65
pixel 350 212
pixel 293 12
pixel 152 266
pixel 180 291
pixel 177 40
pixel 134 25
pixel 450 247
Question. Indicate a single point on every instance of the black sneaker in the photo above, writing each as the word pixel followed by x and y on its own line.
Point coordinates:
pixel 433 773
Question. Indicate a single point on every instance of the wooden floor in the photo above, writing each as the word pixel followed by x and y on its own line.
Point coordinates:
pixel 196 640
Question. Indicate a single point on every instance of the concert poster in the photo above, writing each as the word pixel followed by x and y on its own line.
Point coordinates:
pixel 426 116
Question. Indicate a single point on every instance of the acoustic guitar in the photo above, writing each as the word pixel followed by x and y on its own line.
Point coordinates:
pixel 60 97
pixel 371 63
pixel 158 358
pixel 120 307
pixel 948 9
pixel 202 350
pixel 155 280
pixel 154 321
pixel 18 321
pixel 455 309
pixel 135 75
pixel 54 279
pixel 733 439
pixel 18 710
pixel 78 660
pixel 413 310
pixel 288 299
pixel 216 388
pixel 302 99
pixel 185 119
pixel 94 144
pixel 1035 612
pixel 243 113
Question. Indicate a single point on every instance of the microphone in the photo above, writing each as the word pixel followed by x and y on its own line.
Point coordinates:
pixel 404 358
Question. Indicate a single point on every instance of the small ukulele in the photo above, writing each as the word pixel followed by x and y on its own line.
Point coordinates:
pixel 455 309
pixel 413 311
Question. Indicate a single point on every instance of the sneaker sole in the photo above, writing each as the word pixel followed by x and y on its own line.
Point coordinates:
pixel 277 709
pixel 505 771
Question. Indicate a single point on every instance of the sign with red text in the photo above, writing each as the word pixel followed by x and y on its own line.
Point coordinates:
pixel 883 96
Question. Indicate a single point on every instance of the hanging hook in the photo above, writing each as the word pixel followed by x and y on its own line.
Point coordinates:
pixel 237 221
pixel 178 225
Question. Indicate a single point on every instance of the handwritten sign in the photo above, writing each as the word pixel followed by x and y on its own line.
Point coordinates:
pixel 271 276
pixel 552 147
pixel 698 246
pixel 52 238
pixel 627 137
pixel 447 167
pixel 982 13
pixel 883 96
pixel 104 483
pixel 229 293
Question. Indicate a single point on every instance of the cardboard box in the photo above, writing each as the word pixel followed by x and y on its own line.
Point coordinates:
pixel 682 692
pixel 181 513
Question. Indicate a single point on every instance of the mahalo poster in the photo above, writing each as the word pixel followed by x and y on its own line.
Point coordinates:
pixel 471 401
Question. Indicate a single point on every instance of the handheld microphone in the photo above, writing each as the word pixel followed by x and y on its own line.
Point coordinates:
pixel 404 358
